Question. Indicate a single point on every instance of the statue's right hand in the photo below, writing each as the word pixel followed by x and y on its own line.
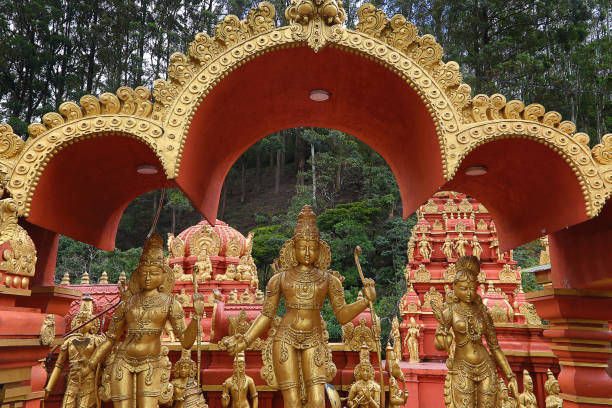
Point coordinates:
pixel 235 344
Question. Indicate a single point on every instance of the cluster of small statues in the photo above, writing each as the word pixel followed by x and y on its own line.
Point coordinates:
pixel 135 368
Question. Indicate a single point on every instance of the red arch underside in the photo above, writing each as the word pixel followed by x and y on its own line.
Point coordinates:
pixel 271 93
pixel 87 185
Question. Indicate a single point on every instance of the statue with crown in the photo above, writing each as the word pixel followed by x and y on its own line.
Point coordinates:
pixel 136 366
pixel 296 356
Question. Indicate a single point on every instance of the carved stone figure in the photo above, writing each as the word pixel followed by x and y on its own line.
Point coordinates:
pixel 146 306
pixel 77 349
pixel 503 399
pixel 460 244
pixel 395 335
pixel 397 397
pixel 476 248
pixel 300 336
pixel 17 250
pixel 527 399
pixel 239 388
pixel 259 296
pixel 551 386
pixel 462 322
pixel 186 394
pixel 47 331
pixel 354 337
pixel 232 297
pixel 425 248
pixel 447 248
pixel 494 245
pixel 422 274
pixel 412 341
pixel 364 392
pixel 410 250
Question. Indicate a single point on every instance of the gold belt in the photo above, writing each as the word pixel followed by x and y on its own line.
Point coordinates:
pixel 304 306
pixel 143 331
pixel 299 339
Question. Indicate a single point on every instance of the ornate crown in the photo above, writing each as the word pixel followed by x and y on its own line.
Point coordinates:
pixel 468 267
pixel 550 382
pixel 307 225
pixel 85 313
pixel 153 251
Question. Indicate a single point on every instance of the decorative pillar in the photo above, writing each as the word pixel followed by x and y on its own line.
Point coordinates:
pixel 578 328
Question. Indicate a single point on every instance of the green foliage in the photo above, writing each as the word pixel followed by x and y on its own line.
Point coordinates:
pixel 76 258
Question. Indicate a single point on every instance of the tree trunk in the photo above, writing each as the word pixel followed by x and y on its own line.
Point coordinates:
pixel 314 176
pixel 257 169
pixel 242 181
pixel 278 172
pixel 173 226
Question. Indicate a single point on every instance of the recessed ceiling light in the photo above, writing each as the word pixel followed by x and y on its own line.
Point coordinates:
pixel 476 170
pixel 319 95
pixel 147 169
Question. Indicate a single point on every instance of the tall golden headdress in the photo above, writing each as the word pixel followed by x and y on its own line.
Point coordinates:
pixel 306 229
pixel 307 225
pixel 153 255
pixel 468 268
pixel 86 312
pixel 548 385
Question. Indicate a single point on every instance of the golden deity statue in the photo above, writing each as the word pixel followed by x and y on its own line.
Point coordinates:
pixel 553 399
pixel 364 392
pixel 77 349
pixel 146 307
pixel 298 361
pixel 462 321
pixel 397 396
pixel 503 399
pixel 476 247
pixel 460 244
pixel 395 335
pixel 527 399
pixel 425 248
pixel 447 248
pixel 412 342
pixel 186 394
pixel 239 387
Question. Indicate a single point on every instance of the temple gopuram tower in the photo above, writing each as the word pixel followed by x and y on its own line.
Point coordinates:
pixel 451 225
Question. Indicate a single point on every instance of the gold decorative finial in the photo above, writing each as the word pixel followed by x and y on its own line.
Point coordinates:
pixel 104 279
pixel 65 279
pixel 85 279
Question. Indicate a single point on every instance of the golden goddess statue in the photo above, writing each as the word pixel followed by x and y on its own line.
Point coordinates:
pixel 147 306
pixel 462 321
pixel 300 355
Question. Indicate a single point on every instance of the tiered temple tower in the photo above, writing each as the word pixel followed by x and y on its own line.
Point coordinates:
pixel 451 225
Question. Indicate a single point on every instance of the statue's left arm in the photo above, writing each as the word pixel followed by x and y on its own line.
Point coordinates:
pixel 345 313
pixel 496 352
pixel 253 393
pixel 186 336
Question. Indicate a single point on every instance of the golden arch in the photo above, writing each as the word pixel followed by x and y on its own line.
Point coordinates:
pixel 462 123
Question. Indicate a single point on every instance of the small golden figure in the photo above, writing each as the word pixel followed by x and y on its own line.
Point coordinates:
pixel 425 248
pixel 494 245
pixel 412 342
pixel 299 359
pixel 77 349
pixel 460 244
pixel 503 399
pixel 239 387
pixel 447 248
pixel 472 377
pixel 553 400
pixel 527 399
pixel 395 335
pixel 364 392
pixel 186 394
pixel 476 248
pixel 147 305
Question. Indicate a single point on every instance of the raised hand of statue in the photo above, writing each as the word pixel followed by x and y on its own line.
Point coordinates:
pixel 369 291
pixel 235 344
pixel 513 388
pixel 198 304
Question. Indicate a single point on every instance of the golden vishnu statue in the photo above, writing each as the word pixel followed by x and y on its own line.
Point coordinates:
pixel 239 387
pixel 462 322
pixel 147 306
pixel 77 348
pixel 300 356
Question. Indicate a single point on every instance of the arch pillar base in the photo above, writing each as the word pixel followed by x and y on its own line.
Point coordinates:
pixel 580 334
